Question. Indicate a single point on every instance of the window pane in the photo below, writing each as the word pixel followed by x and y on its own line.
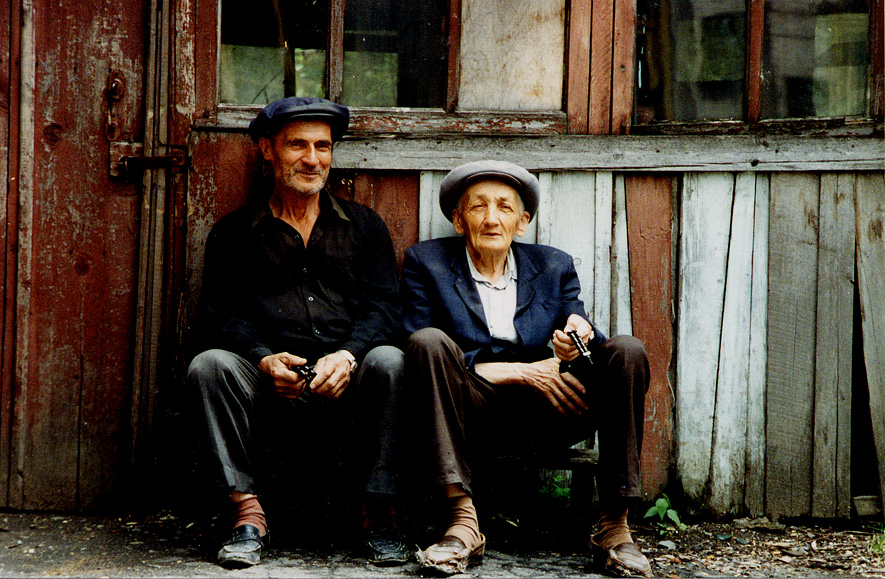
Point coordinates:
pixel 394 53
pixel 691 59
pixel 271 49
pixel 512 54
pixel 816 58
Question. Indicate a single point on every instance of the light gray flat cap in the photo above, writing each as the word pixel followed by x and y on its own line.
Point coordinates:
pixel 459 178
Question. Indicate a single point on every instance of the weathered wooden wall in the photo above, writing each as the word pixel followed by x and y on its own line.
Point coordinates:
pixel 70 238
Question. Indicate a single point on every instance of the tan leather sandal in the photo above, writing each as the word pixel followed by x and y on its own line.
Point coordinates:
pixel 450 556
pixel 625 560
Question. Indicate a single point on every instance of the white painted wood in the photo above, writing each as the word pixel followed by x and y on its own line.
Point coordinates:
pixel 697 153
pixel 568 223
pixel 831 476
pixel 754 494
pixel 622 314
pixel 706 219
pixel 870 265
pixel 602 274
pixel 506 65
pixel 727 470
pixel 432 222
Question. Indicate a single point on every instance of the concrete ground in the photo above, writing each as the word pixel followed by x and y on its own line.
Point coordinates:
pixel 163 545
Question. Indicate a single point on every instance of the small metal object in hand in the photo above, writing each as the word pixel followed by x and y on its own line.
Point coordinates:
pixel 579 344
pixel 306 372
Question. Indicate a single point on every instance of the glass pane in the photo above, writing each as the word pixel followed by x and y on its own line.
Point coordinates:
pixel 394 53
pixel 512 55
pixel 271 49
pixel 816 58
pixel 691 60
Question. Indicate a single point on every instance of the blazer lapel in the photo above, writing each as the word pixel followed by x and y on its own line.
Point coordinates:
pixel 466 288
pixel 525 289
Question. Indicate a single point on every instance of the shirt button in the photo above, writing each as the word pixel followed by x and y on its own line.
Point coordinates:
pixel 317 332
pixel 310 298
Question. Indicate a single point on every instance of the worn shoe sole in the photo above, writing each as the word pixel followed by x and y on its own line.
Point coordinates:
pixel 625 560
pixel 459 558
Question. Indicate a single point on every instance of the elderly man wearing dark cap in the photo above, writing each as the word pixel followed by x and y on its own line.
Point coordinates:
pixel 302 293
pixel 481 311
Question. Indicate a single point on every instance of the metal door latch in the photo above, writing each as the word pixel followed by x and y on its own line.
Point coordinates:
pixel 127 160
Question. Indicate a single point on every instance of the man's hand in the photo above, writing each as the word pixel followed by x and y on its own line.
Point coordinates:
pixel 563 391
pixel 333 375
pixel 562 344
pixel 287 383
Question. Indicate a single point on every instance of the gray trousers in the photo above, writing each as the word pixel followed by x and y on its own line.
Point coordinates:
pixel 237 401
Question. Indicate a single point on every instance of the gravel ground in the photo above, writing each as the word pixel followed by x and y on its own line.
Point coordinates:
pixel 166 545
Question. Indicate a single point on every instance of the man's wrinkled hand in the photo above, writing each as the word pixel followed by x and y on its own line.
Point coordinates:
pixel 563 391
pixel 333 375
pixel 563 346
pixel 286 383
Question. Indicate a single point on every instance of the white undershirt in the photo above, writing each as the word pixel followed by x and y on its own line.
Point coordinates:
pixel 498 299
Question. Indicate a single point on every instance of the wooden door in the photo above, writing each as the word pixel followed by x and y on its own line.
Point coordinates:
pixel 73 83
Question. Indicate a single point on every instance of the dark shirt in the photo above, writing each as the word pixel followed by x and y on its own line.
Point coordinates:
pixel 266 293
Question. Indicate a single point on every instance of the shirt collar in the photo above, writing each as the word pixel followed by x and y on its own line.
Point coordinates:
pixel 327 202
pixel 509 271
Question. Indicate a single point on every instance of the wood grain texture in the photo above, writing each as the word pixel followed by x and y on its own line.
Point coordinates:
pixel 618 153
pixel 754 494
pixel 602 271
pixel 394 196
pixel 705 224
pixel 623 66
pixel 871 282
pixel 792 327
pixel 578 66
pixel 728 461
pixel 621 314
pixel 648 204
pixel 599 114
pixel 568 223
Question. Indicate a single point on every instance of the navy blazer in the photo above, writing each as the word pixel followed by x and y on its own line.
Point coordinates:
pixel 439 292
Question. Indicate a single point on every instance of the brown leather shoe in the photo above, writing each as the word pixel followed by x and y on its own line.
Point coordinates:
pixel 450 556
pixel 625 560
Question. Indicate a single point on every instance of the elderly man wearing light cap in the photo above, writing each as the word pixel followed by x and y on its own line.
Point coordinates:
pixel 481 311
pixel 302 293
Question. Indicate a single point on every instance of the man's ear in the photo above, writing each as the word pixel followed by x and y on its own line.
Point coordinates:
pixel 523 225
pixel 265 145
pixel 458 223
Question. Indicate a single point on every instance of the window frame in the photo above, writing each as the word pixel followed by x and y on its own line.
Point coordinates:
pixel 597 104
pixel 752 121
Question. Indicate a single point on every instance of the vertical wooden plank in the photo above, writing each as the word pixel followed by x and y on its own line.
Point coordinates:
pixel 568 223
pixel 621 314
pixel 599 114
pixel 602 272
pixel 394 196
pixel 706 218
pixel 792 278
pixel 623 71
pixel 727 470
pixel 10 52
pixel 877 59
pixel 649 227
pixel 871 282
pixel 831 496
pixel 453 79
pixel 754 494
pixel 432 222
pixel 753 82
pixel 578 66
pixel 335 50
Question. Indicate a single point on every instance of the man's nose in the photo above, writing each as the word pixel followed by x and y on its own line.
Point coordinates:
pixel 310 156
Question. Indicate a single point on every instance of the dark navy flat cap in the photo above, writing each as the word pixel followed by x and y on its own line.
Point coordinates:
pixel 286 110
pixel 459 178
